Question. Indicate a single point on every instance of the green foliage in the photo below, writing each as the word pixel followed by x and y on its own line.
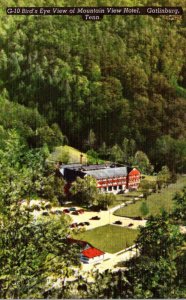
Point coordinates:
pixel 154 272
pixel 155 201
pixel 142 162
pixel 179 212
pixel 163 177
pixel 33 251
pixel 171 152
pixel 30 125
pixel 91 140
pixel 144 209
pixel 152 278
pixel 146 187
pixel 116 154
pixel 50 187
pixel 85 190
pixel 102 286
pixel 105 200
pixel 92 156
pixel 65 156
pixel 159 238
pixel 128 147
pixel 129 91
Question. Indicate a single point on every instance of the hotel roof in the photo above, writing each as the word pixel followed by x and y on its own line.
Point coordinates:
pixel 108 173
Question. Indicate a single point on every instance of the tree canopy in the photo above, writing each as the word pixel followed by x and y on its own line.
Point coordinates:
pixel 126 83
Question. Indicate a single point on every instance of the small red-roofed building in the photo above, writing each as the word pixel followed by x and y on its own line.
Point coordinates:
pixel 88 253
pixel 91 255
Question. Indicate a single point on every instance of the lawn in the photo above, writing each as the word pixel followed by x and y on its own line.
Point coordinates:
pixel 122 198
pixel 155 202
pixel 70 153
pixel 109 238
pixel 149 177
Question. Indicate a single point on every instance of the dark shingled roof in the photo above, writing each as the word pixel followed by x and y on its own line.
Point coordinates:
pixel 108 173
pixel 71 166
pixel 94 167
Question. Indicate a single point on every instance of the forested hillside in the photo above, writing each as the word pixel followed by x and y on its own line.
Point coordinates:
pixel 122 77
pixel 115 90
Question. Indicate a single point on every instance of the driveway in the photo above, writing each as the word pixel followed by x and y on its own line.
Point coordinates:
pixel 106 217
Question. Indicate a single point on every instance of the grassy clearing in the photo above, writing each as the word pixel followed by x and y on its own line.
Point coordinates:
pixel 109 238
pixel 62 152
pixel 116 202
pixel 122 198
pixel 155 202
pixel 67 154
pixel 149 177
pixel 131 194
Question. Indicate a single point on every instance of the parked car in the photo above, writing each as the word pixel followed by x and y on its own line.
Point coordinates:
pixel 73 225
pixel 58 212
pixel 66 211
pixel 87 223
pixel 94 208
pixel 118 223
pixel 138 218
pixel 75 213
pixel 130 225
pixel 72 209
pixel 48 206
pixel 81 224
pixel 95 218
pixel 45 213
pixel 80 211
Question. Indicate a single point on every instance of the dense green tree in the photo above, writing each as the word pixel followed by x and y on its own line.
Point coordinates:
pixel 92 157
pixel 179 212
pixel 171 152
pixel 159 238
pixel 104 200
pixel 33 254
pixel 147 186
pixel 153 279
pixel 85 190
pixel 91 139
pixel 33 251
pixel 163 177
pixel 116 154
pixel 143 163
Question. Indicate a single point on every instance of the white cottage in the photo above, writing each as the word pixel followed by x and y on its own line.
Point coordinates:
pixel 91 255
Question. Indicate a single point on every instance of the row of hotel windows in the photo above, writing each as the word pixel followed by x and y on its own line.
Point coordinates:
pixel 111 188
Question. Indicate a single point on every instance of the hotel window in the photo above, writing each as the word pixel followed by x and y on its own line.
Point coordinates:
pixel 110 188
pixel 115 187
pixel 120 187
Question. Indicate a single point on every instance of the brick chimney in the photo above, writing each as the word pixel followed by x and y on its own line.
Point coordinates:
pixel 81 158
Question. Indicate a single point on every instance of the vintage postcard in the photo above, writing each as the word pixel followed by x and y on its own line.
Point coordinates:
pixel 92 149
